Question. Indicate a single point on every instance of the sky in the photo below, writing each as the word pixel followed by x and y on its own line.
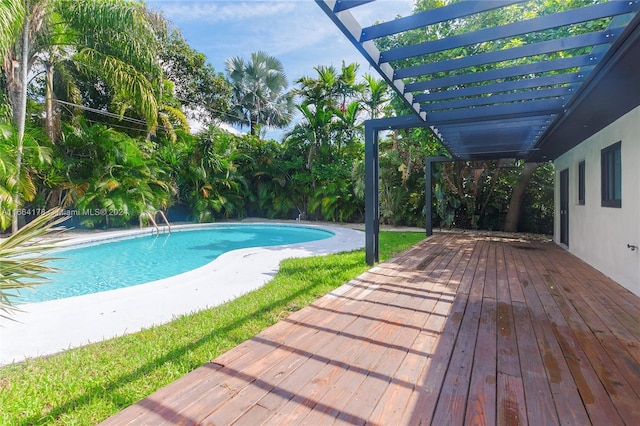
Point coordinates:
pixel 297 32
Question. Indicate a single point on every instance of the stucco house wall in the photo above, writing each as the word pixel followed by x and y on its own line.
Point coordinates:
pixel 600 235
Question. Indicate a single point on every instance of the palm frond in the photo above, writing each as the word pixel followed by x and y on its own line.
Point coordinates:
pixel 124 78
pixel 113 26
pixel 22 260
pixel 12 13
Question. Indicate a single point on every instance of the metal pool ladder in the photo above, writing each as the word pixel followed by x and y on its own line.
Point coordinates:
pixel 152 219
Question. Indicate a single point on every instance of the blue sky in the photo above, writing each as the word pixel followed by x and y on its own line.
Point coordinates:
pixel 297 32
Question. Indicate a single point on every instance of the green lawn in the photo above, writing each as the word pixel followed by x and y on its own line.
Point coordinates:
pixel 86 385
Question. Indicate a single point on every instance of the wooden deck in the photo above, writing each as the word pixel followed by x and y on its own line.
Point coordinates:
pixel 460 329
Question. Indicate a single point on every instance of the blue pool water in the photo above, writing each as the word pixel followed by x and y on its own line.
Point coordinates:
pixel 122 263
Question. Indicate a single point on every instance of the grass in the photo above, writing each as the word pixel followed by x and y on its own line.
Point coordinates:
pixel 88 384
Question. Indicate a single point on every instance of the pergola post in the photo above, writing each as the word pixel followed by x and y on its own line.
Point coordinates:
pixel 428 190
pixel 371 194
pixel 372 176
pixel 428 195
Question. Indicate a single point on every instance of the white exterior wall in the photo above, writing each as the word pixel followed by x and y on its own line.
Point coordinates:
pixel 599 235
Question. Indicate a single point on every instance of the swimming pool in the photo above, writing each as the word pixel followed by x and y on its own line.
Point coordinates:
pixel 127 262
pixel 49 327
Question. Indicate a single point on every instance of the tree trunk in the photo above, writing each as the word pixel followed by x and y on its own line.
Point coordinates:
pixel 50 126
pixel 20 116
pixel 513 214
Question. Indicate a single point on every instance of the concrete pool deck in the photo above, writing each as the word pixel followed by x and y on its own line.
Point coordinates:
pixel 47 328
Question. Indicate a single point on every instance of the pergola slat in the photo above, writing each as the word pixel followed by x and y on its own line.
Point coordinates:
pixel 495 112
pixel 541 23
pixel 441 14
pixel 528 83
pixel 577 42
pixel 497 99
pixel 503 73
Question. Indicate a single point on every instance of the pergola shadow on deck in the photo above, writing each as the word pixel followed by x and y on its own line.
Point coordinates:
pixel 462 328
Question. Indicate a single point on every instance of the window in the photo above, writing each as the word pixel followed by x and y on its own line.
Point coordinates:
pixel 581 183
pixel 612 175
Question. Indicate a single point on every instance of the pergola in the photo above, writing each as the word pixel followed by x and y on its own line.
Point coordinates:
pixel 570 74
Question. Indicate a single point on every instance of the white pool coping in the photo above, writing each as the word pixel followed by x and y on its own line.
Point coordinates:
pixel 47 328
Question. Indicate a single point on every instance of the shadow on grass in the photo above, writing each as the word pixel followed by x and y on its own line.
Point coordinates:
pixel 110 390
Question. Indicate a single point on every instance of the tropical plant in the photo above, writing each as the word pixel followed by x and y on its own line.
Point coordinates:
pixel 331 88
pixel 19 186
pixel 114 42
pixel 258 90
pixel 110 40
pixel 110 175
pixel 329 137
pixel 315 129
pixel 208 179
pixel 22 260
pixel 330 107
pixel 269 190
pixel 537 202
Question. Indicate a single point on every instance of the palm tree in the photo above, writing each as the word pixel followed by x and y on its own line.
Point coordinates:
pixel 320 91
pixel 11 14
pixel 375 95
pixel 110 39
pixel 329 110
pixel 113 42
pixel 315 128
pixel 259 96
pixel 21 19
pixel 331 88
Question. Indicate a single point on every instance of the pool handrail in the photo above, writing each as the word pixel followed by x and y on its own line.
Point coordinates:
pixel 164 217
pixel 151 219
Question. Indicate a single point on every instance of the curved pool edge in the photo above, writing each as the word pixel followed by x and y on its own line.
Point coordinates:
pixel 45 328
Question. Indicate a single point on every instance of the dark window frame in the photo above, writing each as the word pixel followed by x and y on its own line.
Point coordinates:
pixel 581 183
pixel 611 175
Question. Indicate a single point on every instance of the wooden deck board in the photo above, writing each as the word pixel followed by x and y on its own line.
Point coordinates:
pixel 451 402
pixel 596 400
pixel 460 329
pixel 538 396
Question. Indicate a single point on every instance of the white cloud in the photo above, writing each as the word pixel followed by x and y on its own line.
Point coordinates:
pixel 220 11
pixel 295 31
pixel 302 31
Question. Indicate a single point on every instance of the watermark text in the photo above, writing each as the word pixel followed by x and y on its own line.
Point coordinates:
pixel 67 212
